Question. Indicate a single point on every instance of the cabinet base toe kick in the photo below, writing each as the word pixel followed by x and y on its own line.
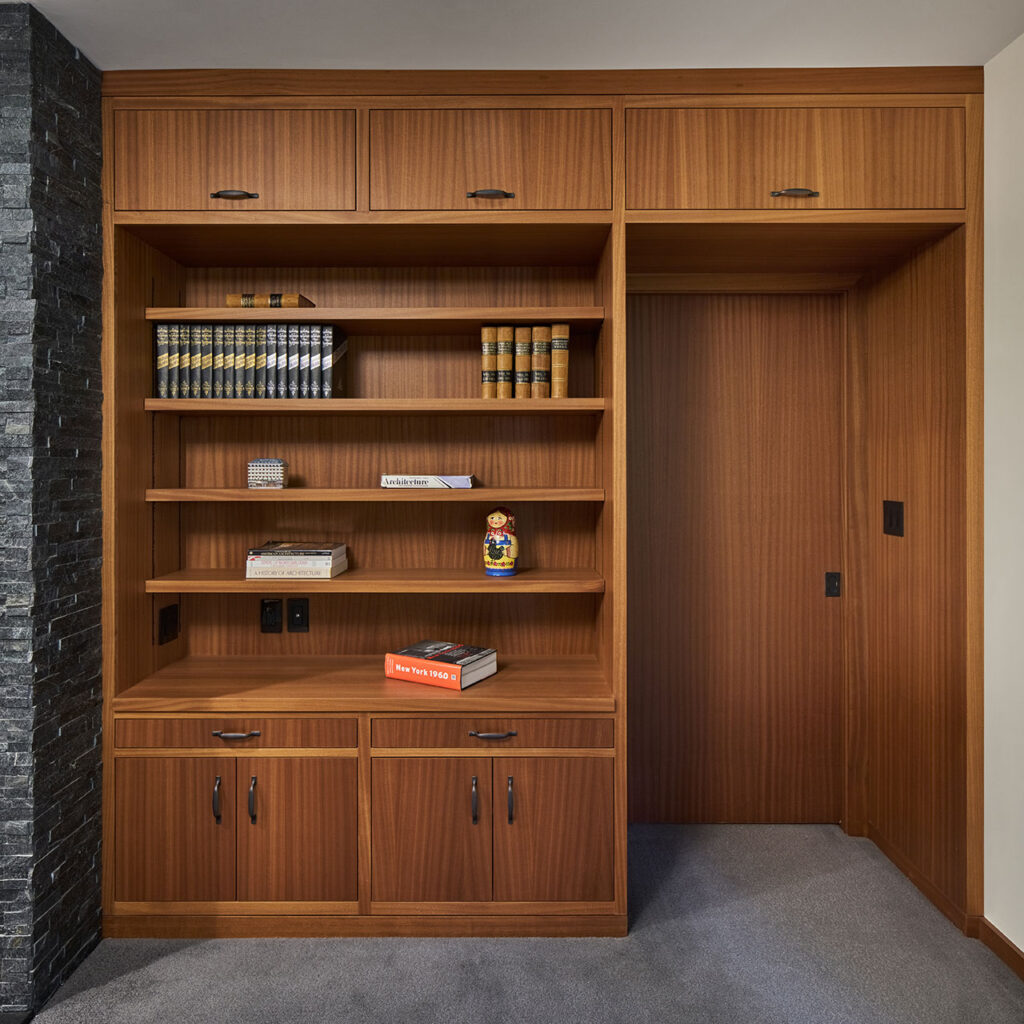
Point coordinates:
pixel 173 926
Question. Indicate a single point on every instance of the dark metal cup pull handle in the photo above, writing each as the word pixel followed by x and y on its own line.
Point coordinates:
pixel 797 193
pixel 252 800
pixel 490 193
pixel 252 734
pixel 475 803
pixel 216 800
pixel 234 193
pixel 511 802
pixel 493 735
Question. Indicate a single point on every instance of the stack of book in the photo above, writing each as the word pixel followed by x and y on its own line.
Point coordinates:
pixel 440 663
pixel 296 560
pixel 205 360
pixel 525 361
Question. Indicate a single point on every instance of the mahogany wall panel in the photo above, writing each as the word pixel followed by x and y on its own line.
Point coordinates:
pixel 911 326
pixel 735 654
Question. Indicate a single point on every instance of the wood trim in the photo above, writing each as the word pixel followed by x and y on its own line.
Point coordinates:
pixel 240 908
pixel 304 494
pixel 504 752
pixel 746 284
pixel 954 913
pixel 272 752
pixel 374 406
pixel 974 369
pixel 940 218
pixel 325 926
pixel 1008 952
pixel 262 82
pixel 388 909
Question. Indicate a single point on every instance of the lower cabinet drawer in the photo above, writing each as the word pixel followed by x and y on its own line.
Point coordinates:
pixel 236 733
pixel 492 733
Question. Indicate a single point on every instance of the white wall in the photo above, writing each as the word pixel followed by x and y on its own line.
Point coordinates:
pixel 1004 491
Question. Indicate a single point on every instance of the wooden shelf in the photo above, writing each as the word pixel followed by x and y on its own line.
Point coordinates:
pixel 375 406
pixel 383 581
pixel 393 319
pixel 522 683
pixel 304 494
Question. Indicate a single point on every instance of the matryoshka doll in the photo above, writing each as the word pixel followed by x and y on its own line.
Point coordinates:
pixel 501 547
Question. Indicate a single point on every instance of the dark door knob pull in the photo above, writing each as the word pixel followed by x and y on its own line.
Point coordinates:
pixel 490 193
pixel 511 802
pixel 796 193
pixel 234 193
pixel 475 803
pixel 252 734
pixel 252 800
pixel 216 801
pixel 493 735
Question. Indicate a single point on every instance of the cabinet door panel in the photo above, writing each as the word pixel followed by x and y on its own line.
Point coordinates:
pixel 559 842
pixel 856 158
pixel 168 844
pixel 426 847
pixel 550 159
pixel 293 159
pixel 303 843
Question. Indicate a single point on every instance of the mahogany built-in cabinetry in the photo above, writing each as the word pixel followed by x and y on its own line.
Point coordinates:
pixel 412 216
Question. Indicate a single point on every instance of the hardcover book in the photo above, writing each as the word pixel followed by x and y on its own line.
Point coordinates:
pixel 305 337
pixel 271 366
pixel 195 356
pixel 439 663
pixel 506 360
pixel 250 360
pixel 559 360
pixel 239 361
pixel 218 360
pixel 184 362
pixel 523 359
pixel 402 480
pixel 333 362
pixel 540 368
pixel 267 300
pixel 293 360
pixel 162 386
pixel 206 360
pixel 315 344
pixel 488 362
pixel 173 361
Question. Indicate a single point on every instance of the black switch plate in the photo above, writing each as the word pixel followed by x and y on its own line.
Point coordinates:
pixel 833 585
pixel 892 518
pixel 270 615
pixel 298 615
pixel 168 624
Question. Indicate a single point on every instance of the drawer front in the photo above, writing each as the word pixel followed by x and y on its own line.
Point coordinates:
pixel 197 733
pixel 529 732
pixel 291 159
pixel 734 158
pixel 548 159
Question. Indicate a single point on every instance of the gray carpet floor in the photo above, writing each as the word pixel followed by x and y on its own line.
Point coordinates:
pixel 730 925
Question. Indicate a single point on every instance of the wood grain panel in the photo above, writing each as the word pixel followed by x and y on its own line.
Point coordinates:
pixel 548 159
pixel 553 535
pixel 542 82
pixel 316 683
pixel 914 607
pixel 533 451
pixel 425 845
pixel 735 653
pixel 341 624
pixel 292 159
pixel 198 732
pixel 733 158
pixel 764 247
pixel 530 732
pixel 303 844
pixel 559 843
pixel 384 285
pixel 167 843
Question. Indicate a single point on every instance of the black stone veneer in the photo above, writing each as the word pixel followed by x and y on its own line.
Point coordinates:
pixel 50 516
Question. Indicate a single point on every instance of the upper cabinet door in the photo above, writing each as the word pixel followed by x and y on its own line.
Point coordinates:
pixel 290 159
pixel 546 159
pixel 881 158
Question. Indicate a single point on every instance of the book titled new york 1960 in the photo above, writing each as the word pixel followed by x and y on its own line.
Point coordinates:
pixel 440 663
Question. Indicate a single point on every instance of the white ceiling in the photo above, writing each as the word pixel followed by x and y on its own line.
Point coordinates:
pixel 531 34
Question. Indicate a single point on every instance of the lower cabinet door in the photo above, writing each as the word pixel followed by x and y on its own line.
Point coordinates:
pixel 431 836
pixel 553 828
pixel 297 828
pixel 174 828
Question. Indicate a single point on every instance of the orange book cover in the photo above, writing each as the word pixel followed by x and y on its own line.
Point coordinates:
pixel 437 663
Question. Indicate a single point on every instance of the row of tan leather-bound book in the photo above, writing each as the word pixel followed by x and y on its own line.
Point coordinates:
pixel 524 361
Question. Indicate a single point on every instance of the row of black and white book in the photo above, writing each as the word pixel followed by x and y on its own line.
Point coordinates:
pixel 205 360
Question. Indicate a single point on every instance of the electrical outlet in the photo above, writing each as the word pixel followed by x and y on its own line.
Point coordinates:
pixel 892 518
pixel 270 615
pixel 168 624
pixel 298 615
